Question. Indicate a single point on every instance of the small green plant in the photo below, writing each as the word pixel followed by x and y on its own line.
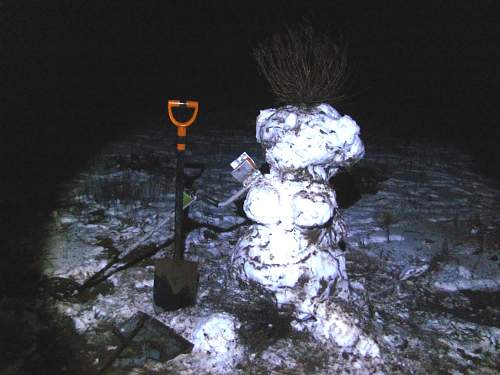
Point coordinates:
pixel 303 66
pixel 386 220
pixel 441 257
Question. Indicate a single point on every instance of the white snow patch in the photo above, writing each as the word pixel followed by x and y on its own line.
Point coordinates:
pixel 383 238
pixel 332 325
pixel 454 278
pixel 216 336
pixel 144 283
pixel 413 271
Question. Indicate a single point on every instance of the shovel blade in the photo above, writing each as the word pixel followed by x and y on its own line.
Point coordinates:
pixel 175 284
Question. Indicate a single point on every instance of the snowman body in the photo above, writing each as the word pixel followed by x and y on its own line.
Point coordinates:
pixel 293 249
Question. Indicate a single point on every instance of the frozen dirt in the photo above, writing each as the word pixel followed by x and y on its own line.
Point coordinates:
pixel 422 257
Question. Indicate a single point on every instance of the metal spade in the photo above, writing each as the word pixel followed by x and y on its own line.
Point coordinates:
pixel 176 280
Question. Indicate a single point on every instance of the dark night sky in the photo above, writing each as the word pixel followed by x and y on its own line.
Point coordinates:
pixel 73 72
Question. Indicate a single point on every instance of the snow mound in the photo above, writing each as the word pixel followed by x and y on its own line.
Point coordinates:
pixel 332 325
pixel 216 336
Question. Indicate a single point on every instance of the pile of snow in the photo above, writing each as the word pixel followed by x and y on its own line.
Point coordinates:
pixel 331 324
pixel 216 336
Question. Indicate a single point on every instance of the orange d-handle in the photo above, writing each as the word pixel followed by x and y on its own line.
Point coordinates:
pixel 188 104
pixel 181 126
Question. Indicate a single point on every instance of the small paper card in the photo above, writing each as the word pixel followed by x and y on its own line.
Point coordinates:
pixel 243 167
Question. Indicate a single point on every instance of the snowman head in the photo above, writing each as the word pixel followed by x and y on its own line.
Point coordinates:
pixel 310 143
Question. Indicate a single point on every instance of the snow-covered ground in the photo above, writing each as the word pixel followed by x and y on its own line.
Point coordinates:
pixel 422 258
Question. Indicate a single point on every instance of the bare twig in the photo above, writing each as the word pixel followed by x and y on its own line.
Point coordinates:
pixel 303 66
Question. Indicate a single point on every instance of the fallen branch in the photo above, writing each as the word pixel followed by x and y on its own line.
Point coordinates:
pixel 133 255
pixel 130 259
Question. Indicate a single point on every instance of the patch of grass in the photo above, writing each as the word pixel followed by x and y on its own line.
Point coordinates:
pixel 124 188
pixel 386 219
pixel 147 163
pixel 443 256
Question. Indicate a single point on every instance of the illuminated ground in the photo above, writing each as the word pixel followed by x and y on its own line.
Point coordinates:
pixel 423 255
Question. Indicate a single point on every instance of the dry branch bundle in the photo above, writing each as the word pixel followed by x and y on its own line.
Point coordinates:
pixel 304 67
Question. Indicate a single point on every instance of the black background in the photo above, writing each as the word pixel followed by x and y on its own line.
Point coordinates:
pixel 74 73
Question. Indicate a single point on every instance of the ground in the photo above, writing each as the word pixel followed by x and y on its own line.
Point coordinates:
pixel 422 256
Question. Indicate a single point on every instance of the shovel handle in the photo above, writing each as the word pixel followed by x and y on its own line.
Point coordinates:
pixel 188 104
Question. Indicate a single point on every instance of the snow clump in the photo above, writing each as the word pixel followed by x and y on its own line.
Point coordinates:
pixel 216 337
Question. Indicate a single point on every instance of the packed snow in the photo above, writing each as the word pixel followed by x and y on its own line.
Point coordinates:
pixel 294 250
pixel 317 139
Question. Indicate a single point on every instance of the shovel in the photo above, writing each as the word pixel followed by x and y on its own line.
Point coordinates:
pixel 176 280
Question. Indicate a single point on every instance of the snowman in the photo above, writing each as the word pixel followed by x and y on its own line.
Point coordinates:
pixel 294 248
